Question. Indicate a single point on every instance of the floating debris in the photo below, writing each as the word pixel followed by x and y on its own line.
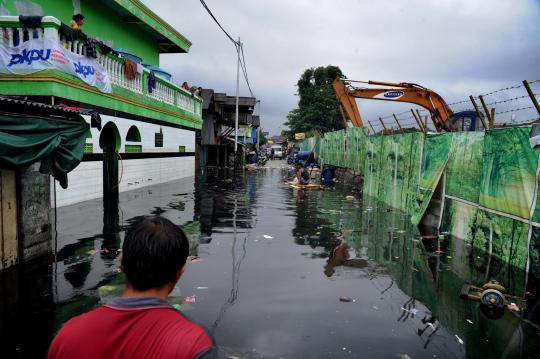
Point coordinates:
pixel 93 252
pixel 513 307
pixel 459 339
pixel 346 299
pixel 349 198
pixel 190 299
pixel 198 260
pixel 469 321
pixel 201 288
pixel 404 356
pixel 449 257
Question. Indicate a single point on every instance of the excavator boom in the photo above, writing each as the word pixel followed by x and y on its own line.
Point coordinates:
pixel 401 92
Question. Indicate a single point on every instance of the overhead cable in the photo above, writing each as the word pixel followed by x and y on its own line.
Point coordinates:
pixel 217 22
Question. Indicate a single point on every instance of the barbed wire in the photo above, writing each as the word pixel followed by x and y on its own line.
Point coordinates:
pixel 508 100
pixel 533 82
pixel 502 89
pixel 514 110
pixel 458 102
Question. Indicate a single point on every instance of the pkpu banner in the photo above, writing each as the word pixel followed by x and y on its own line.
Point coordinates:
pixel 43 54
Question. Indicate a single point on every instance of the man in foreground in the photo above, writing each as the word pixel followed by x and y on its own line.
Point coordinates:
pixel 140 324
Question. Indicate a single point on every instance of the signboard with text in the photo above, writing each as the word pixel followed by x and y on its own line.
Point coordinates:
pixel 44 54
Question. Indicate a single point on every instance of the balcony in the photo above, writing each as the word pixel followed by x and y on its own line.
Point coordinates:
pixel 167 102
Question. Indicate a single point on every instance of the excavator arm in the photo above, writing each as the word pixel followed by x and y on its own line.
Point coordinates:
pixel 398 92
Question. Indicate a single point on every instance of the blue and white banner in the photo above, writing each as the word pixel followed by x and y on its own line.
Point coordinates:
pixel 45 54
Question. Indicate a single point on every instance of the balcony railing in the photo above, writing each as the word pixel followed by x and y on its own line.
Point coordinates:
pixel 12 34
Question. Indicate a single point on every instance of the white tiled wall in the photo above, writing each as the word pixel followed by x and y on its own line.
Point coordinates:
pixel 86 181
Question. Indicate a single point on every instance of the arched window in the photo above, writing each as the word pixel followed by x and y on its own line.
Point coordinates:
pixel 134 137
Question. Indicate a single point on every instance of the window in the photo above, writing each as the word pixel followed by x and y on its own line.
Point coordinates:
pixel 133 135
pixel 159 138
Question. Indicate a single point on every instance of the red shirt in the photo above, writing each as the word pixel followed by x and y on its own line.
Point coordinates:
pixel 131 328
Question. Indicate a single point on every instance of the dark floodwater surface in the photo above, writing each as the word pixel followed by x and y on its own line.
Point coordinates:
pixel 283 274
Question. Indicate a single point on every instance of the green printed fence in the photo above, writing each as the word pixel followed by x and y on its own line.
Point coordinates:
pixel 490 182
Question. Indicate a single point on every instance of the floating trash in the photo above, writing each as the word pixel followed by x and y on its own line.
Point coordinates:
pixel 190 299
pixel 404 356
pixel 346 299
pixel 93 252
pixel 349 198
pixel 459 339
pixel 469 321
pixel 198 260
pixel 201 288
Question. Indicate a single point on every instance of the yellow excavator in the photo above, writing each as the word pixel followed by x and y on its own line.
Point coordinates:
pixel 443 117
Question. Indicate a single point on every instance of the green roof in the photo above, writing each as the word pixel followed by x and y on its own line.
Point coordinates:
pixel 135 12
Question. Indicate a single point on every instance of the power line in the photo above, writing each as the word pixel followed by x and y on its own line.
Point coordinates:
pixel 217 22
pixel 244 69
pixel 237 44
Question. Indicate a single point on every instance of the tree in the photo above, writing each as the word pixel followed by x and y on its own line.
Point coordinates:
pixel 262 137
pixel 317 107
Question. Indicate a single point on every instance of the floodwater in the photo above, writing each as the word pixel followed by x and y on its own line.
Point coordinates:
pixel 282 274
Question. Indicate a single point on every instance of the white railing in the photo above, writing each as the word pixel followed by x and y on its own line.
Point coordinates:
pixel 12 34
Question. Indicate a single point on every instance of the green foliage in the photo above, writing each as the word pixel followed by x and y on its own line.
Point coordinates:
pixel 262 137
pixel 317 107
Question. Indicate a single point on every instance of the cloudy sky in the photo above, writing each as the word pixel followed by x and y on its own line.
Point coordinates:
pixel 456 47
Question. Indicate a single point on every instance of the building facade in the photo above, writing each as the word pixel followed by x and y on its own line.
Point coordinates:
pixel 143 124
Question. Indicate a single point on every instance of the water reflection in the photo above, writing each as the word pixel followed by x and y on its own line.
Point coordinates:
pixel 276 262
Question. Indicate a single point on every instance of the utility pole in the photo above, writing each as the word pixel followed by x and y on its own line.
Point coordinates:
pixel 258 128
pixel 237 92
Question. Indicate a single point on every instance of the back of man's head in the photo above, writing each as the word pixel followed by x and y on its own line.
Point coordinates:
pixel 78 17
pixel 153 252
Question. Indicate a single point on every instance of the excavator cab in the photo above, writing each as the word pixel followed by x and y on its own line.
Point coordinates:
pixel 465 121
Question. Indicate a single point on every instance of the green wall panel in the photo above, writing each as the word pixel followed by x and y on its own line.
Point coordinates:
pixel 508 171
pixel 464 168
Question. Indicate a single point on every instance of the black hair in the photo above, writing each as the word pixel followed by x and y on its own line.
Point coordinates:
pixel 78 17
pixel 153 252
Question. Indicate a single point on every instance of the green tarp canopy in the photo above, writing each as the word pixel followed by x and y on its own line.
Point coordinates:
pixel 57 143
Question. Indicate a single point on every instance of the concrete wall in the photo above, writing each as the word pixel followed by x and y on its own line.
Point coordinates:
pixel 35 210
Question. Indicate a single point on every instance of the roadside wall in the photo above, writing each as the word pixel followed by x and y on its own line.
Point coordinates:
pixel 489 182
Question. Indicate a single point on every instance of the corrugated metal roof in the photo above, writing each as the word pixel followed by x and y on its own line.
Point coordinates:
pixel 12 104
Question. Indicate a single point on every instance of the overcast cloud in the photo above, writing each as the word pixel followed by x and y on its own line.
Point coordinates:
pixel 456 47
